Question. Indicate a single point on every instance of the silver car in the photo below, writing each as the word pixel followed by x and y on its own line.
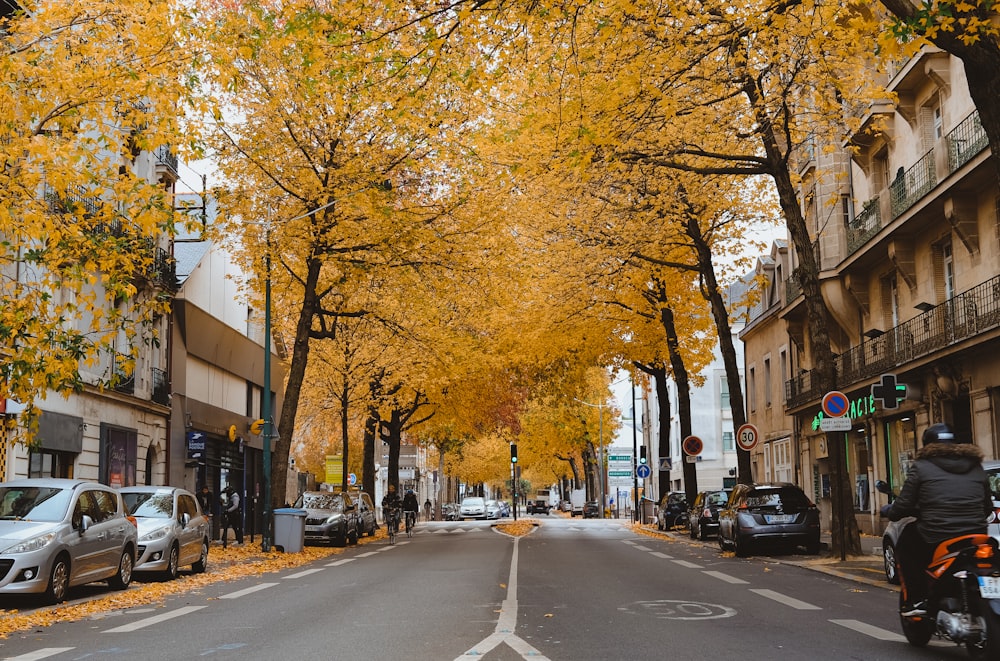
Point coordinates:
pixel 58 533
pixel 472 507
pixel 173 531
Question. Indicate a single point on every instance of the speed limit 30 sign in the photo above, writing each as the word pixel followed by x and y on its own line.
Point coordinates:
pixel 747 437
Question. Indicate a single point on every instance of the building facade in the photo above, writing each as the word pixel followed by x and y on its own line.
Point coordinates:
pixel 904 219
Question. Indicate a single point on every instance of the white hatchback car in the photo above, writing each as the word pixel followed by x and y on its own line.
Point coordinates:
pixel 472 508
pixel 59 533
pixel 173 531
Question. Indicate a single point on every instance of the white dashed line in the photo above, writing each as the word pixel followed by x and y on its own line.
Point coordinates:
pixel 339 562
pixel 156 619
pixel 250 590
pixel 641 548
pixel 369 554
pixel 726 577
pixel 662 555
pixel 869 630
pixel 43 653
pixel 786 600
pixel 307 572
pixel 689 565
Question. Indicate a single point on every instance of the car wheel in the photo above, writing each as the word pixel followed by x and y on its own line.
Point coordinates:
pixel 889 562
pixel 202 562
pixel 171 571
pixel 123 577
pixel 58 580
pixel 741 546
pixel 693 530
pixel 353 539
pixel 702 533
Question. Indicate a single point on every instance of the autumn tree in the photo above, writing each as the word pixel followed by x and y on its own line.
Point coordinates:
pixel 93 89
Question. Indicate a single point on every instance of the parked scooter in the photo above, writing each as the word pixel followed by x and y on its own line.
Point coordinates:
pixel 963 603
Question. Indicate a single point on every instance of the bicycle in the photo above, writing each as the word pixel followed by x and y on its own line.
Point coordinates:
pixel 392 524
pixel 411 517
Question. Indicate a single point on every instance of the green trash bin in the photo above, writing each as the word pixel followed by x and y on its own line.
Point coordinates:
pixel 289 529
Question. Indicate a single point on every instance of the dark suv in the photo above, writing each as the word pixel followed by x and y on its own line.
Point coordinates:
pixel 672 510
pixel 703 517
pixel 537 507
pixel 777 514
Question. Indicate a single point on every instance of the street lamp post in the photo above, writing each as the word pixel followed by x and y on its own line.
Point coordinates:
pixel 635 461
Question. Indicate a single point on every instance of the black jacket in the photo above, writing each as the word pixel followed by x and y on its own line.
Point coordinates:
pixel 947 490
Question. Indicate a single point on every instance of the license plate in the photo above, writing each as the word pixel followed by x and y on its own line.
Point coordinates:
pixel 779 518
pixel 989 587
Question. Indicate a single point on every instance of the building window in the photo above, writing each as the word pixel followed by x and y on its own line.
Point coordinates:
pixel 724 403
pixel 782 460
pixel 752 388
pixel 47 463
pixel 783 366
pixel 767 382
pixel 948 262
pixel 728 444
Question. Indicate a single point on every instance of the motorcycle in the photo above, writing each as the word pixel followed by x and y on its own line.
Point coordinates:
pixel 963 603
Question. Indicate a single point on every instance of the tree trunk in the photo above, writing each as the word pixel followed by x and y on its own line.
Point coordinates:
pixel 293 386
pixel 371 436
pixel 344 394
pixel 659 374
pixel 711 291
pixel 683 396
pixel 846 535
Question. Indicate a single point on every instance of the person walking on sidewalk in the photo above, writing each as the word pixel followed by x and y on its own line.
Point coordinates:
pixel 948 492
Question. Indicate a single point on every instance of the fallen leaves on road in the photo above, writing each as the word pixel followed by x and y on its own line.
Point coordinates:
pixel 223 565
pixel 518 528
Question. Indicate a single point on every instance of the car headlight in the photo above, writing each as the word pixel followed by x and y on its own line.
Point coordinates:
pixel 154 535
pixel 32 544
pixel 333 519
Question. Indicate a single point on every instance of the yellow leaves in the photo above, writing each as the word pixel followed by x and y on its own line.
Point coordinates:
pixel 518 528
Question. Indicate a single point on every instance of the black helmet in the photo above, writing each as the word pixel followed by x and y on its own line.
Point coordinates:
pixel 938 433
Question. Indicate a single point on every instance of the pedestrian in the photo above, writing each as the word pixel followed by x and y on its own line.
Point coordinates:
pixel 205 499
pixel 231 517
pixel 427 510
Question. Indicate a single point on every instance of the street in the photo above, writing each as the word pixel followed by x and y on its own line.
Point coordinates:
pixel 572 589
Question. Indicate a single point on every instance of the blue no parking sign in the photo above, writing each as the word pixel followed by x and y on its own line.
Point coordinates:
pixel 643 471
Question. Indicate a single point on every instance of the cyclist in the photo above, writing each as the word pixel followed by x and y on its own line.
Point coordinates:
pixel 410 508
pixel 390 508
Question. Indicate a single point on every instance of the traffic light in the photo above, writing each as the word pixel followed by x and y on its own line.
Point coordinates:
pixel 642 455
pixel 513 453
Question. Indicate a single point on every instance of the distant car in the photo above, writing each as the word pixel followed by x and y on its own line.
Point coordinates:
pixel 672 510
pixel 494 510
pixel 173 531
pixel 537 507
pixel 703 517
pixel 57 533
pixel 890 538
pixel 776 515
pixel 472 508
pixel 331 518
pixel 591 509
pixel 504 508
pixel 449 511
pixel 565 506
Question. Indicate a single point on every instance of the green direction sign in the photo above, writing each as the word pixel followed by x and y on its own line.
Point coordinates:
pixel 627 458
pixel 620 473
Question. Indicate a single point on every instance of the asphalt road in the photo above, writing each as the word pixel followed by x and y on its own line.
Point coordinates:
pixel 573 589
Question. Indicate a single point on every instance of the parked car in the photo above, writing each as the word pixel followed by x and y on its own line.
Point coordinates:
pixel 890 538
pixel 493 509
pixel 472 507
pixel 367 518
pixel 537 507
pixel 565 506
pixel 778 514
pixel 173 531
pixel 504 508
pixel 59 533
pixel 449 511
pixel 671 510
pixel 703 517
pixel 591 509
pixel 331 518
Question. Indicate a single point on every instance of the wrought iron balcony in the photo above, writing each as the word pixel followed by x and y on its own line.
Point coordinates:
pixel 166 158
pixel 909 186
pixel 964 316
pixel 864 226
pixel 122 378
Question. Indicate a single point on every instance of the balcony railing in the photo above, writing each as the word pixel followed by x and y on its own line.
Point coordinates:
pixel 965 141
pixel 908 187
pixel 165 157
pixel 122 379
pixel 864 226
pixel 966 315
pixel 161 388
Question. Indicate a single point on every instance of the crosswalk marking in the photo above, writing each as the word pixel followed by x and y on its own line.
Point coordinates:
pixel 786 600
pixel 156 619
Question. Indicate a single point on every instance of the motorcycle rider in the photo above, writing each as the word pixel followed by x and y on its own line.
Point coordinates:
pixel 948 492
